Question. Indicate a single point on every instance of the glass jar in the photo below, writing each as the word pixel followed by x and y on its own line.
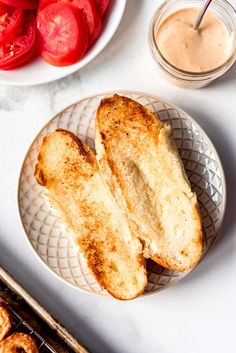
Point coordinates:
pixel 224 11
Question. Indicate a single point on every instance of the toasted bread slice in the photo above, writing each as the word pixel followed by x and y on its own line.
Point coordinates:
pixel 69 171
pixel 141 164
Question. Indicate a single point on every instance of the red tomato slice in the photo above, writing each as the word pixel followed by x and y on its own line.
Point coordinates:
pixel 22 60
pixel 10 20
pixel 20 46
pixel 63 34
pixel 22 4
pixel 103 6
pixel 92 15
pixel 45 3
pixel 90 11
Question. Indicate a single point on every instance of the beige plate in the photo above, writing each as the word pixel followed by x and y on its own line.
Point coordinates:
pixel 51 240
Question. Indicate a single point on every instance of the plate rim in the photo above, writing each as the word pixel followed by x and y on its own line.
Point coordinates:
pixel 15 82
pixel 107 93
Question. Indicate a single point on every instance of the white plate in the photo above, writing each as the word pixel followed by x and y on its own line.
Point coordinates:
pixel 47 234
pixel 38 71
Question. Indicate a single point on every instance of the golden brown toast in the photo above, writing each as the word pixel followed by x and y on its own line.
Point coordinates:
pixel 68 169
pixel 141 165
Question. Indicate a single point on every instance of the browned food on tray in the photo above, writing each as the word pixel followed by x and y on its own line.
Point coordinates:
pixel 142 167
pixel 18 342
pixel 69 171
pixel 5 321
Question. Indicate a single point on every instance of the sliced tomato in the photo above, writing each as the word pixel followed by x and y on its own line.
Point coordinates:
pixel 92 15
pixel 22 4
pixel 90 11
pixel 103 6
pixel 22 60
pixel 63 34
pixel 21 46
pixel 10 20
pixel 45 3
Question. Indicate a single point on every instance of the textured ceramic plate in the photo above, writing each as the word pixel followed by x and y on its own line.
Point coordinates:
pixel 38 71
pixel 48 235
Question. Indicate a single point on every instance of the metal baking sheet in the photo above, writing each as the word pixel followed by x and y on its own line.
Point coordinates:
pixel 30 317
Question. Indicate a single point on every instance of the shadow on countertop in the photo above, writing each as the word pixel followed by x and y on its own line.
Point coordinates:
pixel 228 78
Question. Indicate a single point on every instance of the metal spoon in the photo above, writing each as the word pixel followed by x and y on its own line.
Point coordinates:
pixel 201 14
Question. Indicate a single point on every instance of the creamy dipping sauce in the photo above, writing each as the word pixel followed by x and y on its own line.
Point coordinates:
pixel 193 50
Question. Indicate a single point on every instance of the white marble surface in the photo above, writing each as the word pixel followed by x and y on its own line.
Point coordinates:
pixel 198 314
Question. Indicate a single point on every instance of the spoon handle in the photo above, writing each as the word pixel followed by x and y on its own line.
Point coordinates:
pixel 201 14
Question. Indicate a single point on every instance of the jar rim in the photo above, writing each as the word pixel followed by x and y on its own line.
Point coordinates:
pixel 187 74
